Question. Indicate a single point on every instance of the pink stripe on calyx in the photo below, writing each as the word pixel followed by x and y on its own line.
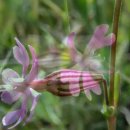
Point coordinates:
pixel 70 83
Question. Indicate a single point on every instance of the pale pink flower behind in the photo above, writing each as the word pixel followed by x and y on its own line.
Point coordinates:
pixel 98 40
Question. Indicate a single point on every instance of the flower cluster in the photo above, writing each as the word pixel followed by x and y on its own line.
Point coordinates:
pixel 65 82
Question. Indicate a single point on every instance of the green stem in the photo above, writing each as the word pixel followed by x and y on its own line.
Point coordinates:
pixel 117 88
pixel 112 119
pixel 105 92
pixel 66 18
pixel 113 50
pixel 111 122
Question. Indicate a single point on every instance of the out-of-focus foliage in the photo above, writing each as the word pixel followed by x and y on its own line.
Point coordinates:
pixel 44 24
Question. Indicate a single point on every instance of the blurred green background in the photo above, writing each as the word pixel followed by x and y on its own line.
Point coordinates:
pixel 44 24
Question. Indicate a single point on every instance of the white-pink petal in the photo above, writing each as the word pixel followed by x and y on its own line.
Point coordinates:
pixel 8 75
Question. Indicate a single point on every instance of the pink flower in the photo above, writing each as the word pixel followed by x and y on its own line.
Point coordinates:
pixel 17 87
pixel 70 83
pixel 98 40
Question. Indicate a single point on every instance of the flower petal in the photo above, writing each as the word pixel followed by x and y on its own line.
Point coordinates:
pixel 72 49
pixel 92 84
pixel 22 114
pixel 99 40
pixel 8 75
pixel 35 95
pixel 17 115
pixel 88 94
pixel 96 89
pixel 34 70
pixel 12 119
pixel 21 55
pixel 109 40
pixel 10 97
pixel 6 87
pixel 92 64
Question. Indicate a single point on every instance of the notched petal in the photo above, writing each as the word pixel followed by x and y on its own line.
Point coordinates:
pixel 34 70
pixel 99 38
pixel 21 55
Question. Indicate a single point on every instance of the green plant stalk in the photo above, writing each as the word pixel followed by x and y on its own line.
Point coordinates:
pixel 105 93
pixel 66 17
pixel 112 119
pixel 117 88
